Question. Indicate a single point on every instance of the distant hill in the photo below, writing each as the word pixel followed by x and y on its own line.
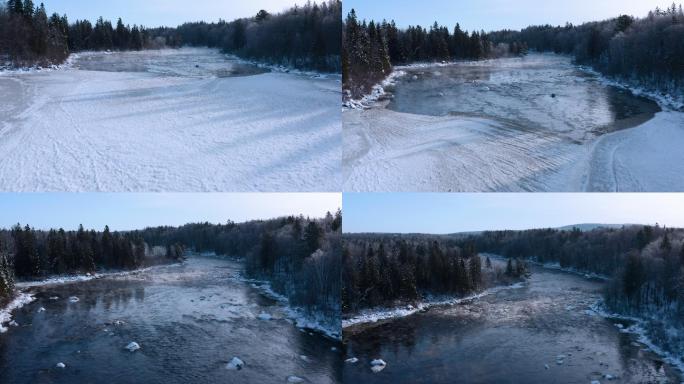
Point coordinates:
pixel 585 227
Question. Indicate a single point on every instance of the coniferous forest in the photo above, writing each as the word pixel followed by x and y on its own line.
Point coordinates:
pixel 645 51
pixel 299 256
pixel 303 37
pixel 380 270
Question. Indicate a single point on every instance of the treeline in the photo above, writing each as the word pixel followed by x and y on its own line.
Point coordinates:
pixel 303 37
pixel 306 37
pixel 28 36
pixel 645 263
pixel 646 51
pixel 369 49
pixel 27 253
pixel 384 269
pixel 299 256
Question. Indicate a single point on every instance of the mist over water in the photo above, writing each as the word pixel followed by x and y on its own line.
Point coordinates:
pixel 190 321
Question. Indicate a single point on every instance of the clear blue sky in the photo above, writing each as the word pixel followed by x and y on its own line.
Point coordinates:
pixel 440 213
pixel 498 14
pixel 126 211
pixel 154 13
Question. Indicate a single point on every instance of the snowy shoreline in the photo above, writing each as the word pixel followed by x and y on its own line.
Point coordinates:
pixel 638 329
pixel 374 315
pixel 19 301
pixel 300 318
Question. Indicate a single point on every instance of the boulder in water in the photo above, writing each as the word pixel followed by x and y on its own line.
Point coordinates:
pixel 378 365
pixel 235 364
pixel 133 346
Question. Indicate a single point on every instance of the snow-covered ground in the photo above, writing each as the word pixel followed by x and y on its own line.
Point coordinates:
pixel 170 120
pixel 495 142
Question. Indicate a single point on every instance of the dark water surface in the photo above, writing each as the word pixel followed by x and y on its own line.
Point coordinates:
pixel 509 337
pixel 540 92
pixel 189 320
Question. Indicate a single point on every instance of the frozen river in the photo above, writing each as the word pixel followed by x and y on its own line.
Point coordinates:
pixel 540 333
pixel 536 123
pixel 170 120
pixel 190 320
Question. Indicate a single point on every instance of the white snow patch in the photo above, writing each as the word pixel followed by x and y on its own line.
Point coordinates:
pixel 352 360
pixel 61 365
pixel 264 316
pixel 74 299
pixel 41 309
pixel 294 379
pixel 6 313
pixel 133 346
pixel 235 364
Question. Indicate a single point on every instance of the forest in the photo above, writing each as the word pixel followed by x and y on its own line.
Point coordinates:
pixel 645 264
pixel 646 51
pixel 382 269
pixel 303 37
pixel 299 256
pixel 370 49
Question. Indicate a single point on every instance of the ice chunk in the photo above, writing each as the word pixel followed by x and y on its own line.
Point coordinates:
pixel 264 316
pixel 378 365
pixel 294 379
pixel 54 298
pixel 352 360
pixel 608 376
pixel 41 309
pixel 304 358
pixel 73 299
pixel 333 349
pixel 13 323
pixel 133 346
pixel 595 382
pixel 61 365
pixel 235 364
pixel 119 322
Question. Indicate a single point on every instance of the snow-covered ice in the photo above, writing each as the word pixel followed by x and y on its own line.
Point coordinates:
pixel 530 143
pixel 235 364
pixel 165 128
pixel 133 346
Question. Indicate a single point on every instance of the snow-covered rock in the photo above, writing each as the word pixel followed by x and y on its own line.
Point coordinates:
pixel 73 299
pixel 61 365
pixel 352 360
pixel 119 322
pixel 235 364
pixel 294 379
pixel 41 309
pixel 378 365
pixel 133 346
pixel 13 323
pixel 264 316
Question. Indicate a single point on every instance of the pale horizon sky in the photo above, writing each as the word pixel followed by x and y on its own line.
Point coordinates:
pixel 491 15
pixel 170 13
pixel 442 213
pixel 129 211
